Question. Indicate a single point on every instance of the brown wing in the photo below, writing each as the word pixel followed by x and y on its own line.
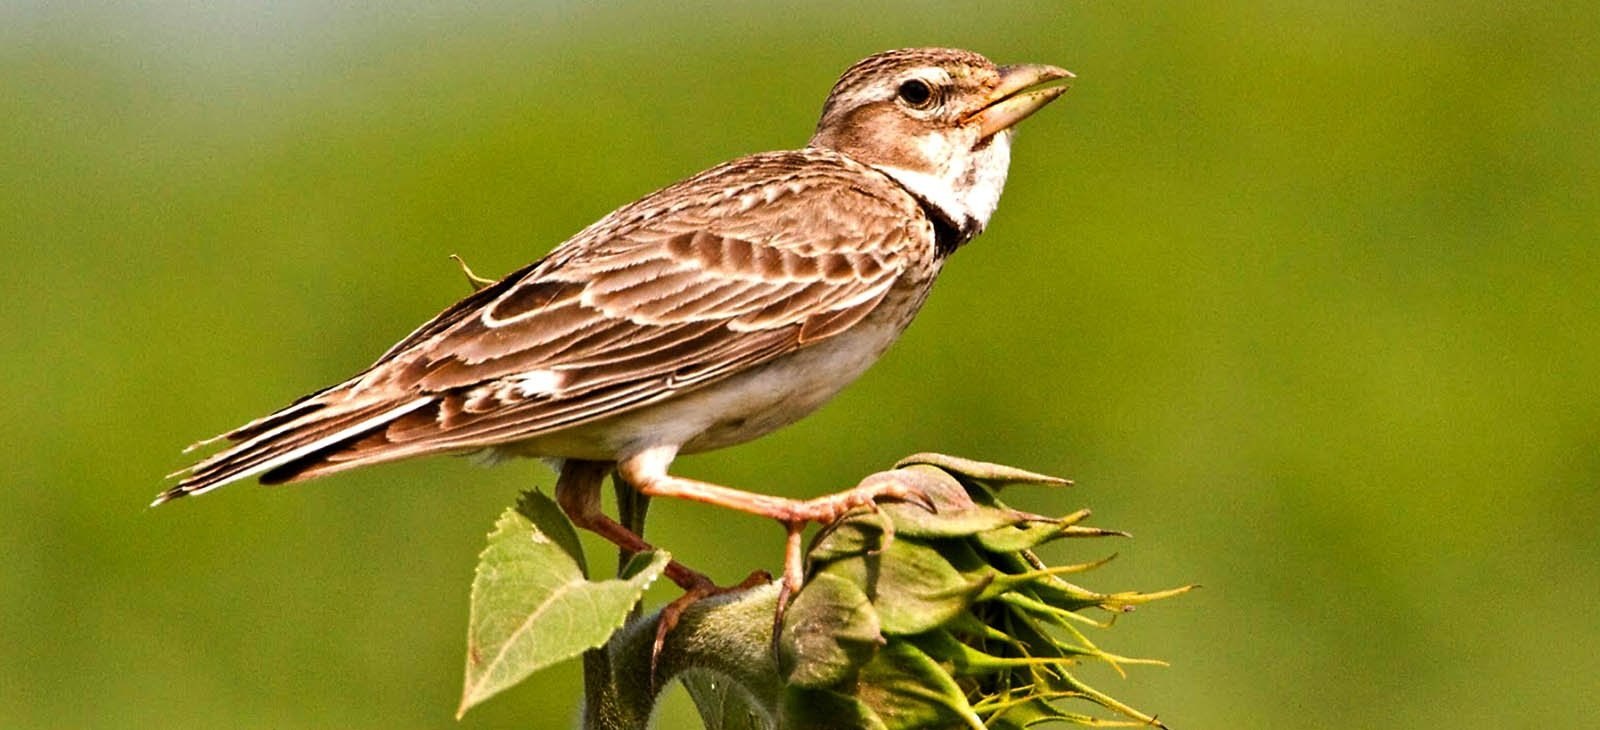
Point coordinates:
pixel 722 272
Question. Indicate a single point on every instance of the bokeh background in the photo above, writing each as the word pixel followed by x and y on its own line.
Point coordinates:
pixel 1303 294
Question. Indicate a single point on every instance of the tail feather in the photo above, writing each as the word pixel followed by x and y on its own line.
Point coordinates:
pixel 289 414
pixel 298 433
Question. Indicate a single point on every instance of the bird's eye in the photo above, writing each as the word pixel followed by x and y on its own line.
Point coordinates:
pixel 916 94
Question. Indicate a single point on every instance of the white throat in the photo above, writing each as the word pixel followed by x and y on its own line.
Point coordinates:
pixel 966 193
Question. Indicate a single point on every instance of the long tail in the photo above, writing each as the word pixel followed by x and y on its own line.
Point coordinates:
pixel 281 445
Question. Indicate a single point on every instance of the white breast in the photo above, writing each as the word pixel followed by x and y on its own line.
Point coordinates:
pixel 966 190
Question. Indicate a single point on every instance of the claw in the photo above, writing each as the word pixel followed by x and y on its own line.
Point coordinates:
pixel 668 620
pixel 784 596
pixel 887 525
pixel 921 499
pixel 702 589
pixel 889 487
pixel 794 576
pixel 827 510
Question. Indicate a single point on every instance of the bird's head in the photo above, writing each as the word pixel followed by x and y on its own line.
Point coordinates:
pixel 939 121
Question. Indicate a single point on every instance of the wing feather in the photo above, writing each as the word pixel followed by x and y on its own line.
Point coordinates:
pixel 702 280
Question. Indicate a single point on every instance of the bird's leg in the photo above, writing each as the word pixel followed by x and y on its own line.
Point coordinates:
pixel 647 471
pixel 631 506
pixel 578 493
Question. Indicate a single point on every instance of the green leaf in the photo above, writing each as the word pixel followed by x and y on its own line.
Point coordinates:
pixel 531 603
pixel 548 518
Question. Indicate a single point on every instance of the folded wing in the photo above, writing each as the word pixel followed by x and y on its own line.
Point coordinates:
pixel 718 274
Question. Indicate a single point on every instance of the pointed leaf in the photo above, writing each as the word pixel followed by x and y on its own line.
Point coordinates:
pixel 548 519
pixel 531 604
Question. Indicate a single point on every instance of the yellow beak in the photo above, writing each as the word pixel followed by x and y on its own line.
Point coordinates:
pixel 1011 102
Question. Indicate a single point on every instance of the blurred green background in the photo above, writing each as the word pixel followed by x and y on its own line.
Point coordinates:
pixel 1305 295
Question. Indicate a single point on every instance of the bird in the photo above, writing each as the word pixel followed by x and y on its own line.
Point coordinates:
pixel 703 315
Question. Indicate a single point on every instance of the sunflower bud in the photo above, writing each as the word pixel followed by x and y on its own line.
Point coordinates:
pixel 917 619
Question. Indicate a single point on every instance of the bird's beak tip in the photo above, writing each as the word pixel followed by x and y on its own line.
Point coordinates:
pixel 1017 77
pixel 1016 97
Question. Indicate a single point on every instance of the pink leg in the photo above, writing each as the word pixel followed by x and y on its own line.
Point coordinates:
pixel 647 471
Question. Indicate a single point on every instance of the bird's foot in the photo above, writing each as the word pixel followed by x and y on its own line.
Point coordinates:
pixel 697 589
pixel 827 510
pixel 647 473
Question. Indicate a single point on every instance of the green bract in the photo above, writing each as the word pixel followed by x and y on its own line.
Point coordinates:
pixel 917 619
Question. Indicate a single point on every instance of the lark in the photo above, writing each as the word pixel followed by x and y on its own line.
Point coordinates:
pixel 706 314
